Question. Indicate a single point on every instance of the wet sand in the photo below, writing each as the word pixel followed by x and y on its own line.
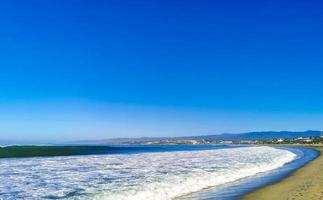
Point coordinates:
pixel 304 184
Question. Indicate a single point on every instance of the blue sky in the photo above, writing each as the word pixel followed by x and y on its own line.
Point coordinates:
pixel 101 69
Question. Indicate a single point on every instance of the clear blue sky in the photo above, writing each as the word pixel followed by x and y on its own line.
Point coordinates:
pixel 72 69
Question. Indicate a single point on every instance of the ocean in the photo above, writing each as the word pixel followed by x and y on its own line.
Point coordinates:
pixel 150 172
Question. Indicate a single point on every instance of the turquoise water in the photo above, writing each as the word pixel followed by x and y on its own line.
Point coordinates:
pixel 47 151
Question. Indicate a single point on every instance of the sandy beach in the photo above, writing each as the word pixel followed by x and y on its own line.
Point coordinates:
pixel 304 184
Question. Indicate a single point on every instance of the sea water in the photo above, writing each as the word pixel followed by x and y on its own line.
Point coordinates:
pixel 155 173
pixel 236 189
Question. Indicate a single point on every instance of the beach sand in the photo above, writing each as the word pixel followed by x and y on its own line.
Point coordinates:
pixel 304 184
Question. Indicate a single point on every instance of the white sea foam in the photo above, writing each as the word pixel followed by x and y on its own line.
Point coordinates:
pixel 157 176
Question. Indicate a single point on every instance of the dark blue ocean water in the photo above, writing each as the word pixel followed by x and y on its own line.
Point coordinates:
pixel 134 149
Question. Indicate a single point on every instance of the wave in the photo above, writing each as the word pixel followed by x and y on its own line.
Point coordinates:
pixel 25 151
pixel 158 176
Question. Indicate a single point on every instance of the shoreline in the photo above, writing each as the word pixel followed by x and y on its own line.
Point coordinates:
pixel 244 186
pixel 306 183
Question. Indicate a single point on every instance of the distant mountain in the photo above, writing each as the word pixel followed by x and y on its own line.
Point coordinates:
pixel 261 135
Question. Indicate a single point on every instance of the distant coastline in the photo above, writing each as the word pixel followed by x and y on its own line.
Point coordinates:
pixel 104 146
pixel 260 137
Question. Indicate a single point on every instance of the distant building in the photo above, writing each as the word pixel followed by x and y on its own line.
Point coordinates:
pixel 226 142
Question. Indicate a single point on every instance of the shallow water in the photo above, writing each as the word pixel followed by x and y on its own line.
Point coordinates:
pixel 235 190
pixel 158 175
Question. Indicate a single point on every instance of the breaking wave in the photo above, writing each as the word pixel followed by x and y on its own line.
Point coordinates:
pixel 145 176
